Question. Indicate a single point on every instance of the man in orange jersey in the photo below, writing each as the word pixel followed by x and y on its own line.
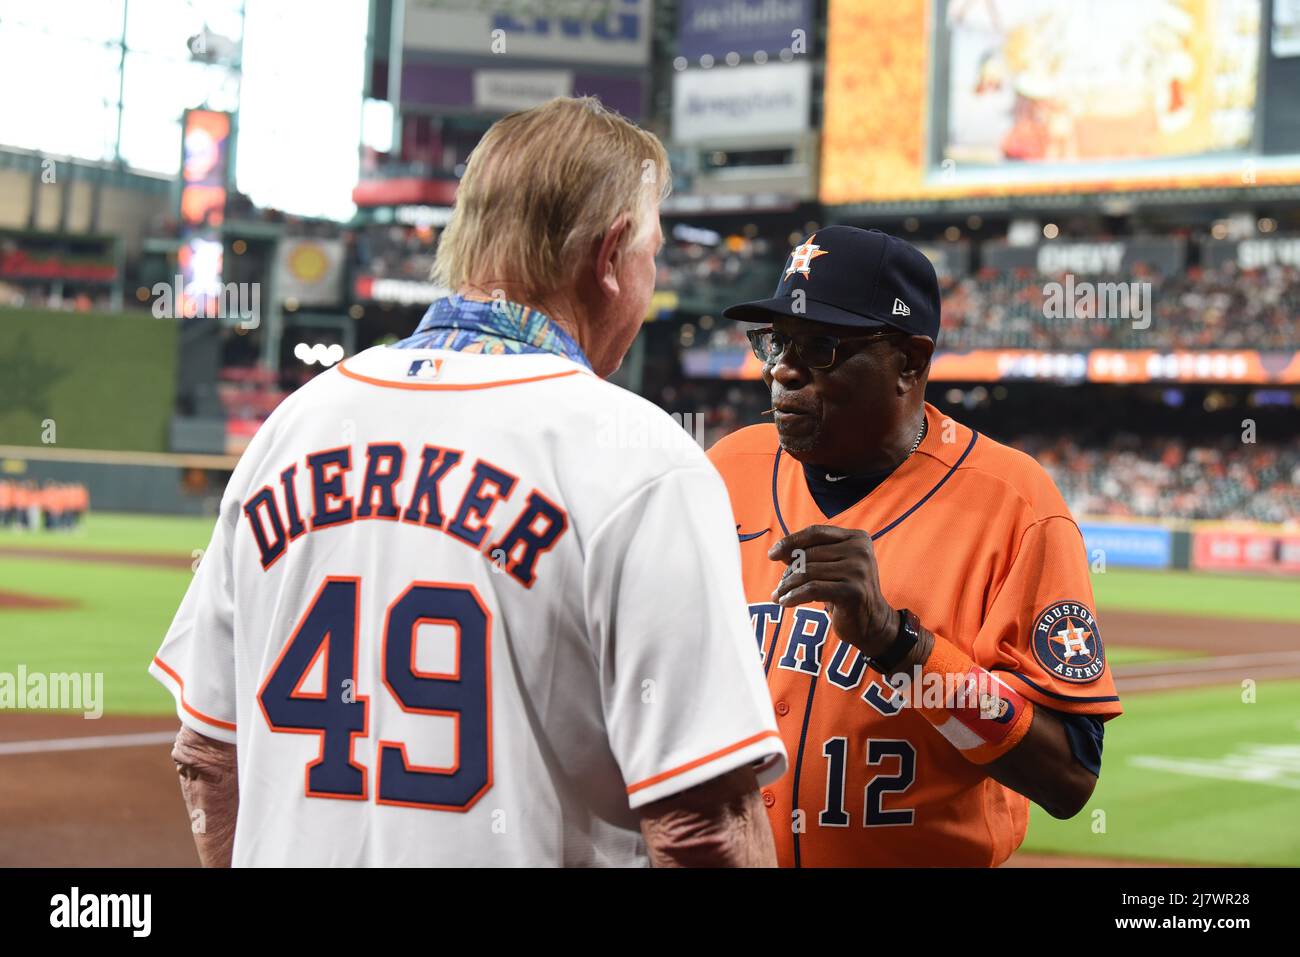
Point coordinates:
pixel 919 593
pixel 6 503
pixel 82 504
pixel 23 499
pixel 50 498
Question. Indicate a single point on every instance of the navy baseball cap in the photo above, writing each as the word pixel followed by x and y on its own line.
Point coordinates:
pixel 853 277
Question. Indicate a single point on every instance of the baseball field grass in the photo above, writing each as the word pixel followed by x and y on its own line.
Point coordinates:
pixel 1191 775
pixel 116 614
pixel 1198 593
pixel 1195 776
pixel 119 532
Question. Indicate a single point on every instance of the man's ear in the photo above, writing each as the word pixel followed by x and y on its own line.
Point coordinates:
pixel 607 252
pixel 916 352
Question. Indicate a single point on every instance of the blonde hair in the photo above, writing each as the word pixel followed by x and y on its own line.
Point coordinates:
pixel 540 187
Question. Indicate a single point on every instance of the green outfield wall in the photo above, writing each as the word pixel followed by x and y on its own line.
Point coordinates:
pixel 86 380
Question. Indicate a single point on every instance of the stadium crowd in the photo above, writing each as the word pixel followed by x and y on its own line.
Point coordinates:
pixel 395 251
pixel 1225 307
pixel 1133 476
pixel 712 413
pixel 53 506
pixel 1222 308
pixel 1126 476
pixel 37 296
pixel 699 268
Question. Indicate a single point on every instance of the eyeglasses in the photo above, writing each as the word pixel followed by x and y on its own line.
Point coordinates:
pixel 816 352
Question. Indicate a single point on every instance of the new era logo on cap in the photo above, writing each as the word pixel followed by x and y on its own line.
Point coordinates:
pixel 845 276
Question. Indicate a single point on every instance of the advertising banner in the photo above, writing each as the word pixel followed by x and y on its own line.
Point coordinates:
pixel 309 271
pixel 620 37
pixel 1108 257
pixel 1246 549
pixel 1253 253
pixel 28 256
pixel 405 292
pixel 741 101
pixel 509 90
pixel 1131 546
pixel 993 365
pixel 1023 97
pixel 1057 82
pixel 1286 28
pixel 1099 365
pixel 1245 366
pixel 205 160
pixel 440 86
pixel 718 27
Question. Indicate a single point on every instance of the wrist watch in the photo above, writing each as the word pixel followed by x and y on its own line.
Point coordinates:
pixel 909 633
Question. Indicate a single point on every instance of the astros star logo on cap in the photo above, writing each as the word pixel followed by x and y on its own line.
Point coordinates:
pixel 802 257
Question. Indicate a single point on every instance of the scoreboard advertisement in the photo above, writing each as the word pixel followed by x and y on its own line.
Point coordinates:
pixel 953 99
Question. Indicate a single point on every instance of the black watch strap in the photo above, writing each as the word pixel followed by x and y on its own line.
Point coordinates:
pixel 909 633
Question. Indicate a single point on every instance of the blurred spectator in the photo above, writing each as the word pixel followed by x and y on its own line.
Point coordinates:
pixel 1140 477
pixel 709 272
pixel 715 409
pixel 1130 476
pixel 54 506
pixel 39 296
pixel 396 251
pixel 1225 308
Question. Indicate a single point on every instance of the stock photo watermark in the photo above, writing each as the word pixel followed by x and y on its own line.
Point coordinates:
pixel 680 430
pixel 240 302
pixel 77 909
pixel 23 690
pixel 1084 299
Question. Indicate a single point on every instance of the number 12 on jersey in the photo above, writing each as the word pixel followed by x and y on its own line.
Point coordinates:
pixel 327 633
pixel 835 751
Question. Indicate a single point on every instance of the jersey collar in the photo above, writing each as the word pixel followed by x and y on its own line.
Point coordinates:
pixel 908 488
pixel 491 326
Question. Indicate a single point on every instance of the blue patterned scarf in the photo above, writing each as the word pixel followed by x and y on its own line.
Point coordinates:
pixel 492 327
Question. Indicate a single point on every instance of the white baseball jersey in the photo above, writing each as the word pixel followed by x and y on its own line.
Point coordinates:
pixel 468 609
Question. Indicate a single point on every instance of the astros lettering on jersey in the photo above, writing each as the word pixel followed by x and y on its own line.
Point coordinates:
pixel 975 539
pixel 447 618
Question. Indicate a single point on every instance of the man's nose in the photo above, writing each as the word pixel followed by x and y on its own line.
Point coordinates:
pixel 789 371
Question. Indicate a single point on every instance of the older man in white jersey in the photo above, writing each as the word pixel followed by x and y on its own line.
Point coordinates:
pixel 447 617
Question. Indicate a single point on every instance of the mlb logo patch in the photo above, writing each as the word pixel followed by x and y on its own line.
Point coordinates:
pixel 425 369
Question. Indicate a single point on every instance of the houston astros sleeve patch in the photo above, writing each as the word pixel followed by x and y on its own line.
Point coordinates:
pixel 1067 642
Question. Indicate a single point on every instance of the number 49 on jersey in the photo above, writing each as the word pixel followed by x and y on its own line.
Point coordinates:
pixel 327 633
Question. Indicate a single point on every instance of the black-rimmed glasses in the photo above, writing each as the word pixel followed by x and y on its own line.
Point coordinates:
pixel 815 351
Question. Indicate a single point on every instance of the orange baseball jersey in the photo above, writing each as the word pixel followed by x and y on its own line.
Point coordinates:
pixel 975 539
